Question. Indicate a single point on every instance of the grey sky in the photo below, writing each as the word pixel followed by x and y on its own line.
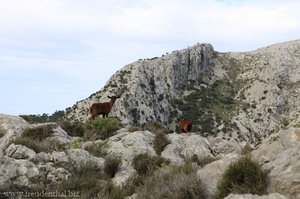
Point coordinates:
pixel 56 52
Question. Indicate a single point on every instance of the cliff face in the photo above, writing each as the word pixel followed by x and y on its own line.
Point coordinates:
pixel 245 95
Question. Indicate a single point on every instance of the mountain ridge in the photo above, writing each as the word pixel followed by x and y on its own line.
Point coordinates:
pixel 260 87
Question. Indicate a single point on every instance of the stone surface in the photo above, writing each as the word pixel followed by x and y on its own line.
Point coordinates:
pixel 126 145
pixel 280 154
pixel 250 196
pixel 211 173
pixel 183 146
pixel 19 152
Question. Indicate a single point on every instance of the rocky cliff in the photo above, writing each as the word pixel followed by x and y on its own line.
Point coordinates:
pixel 246 95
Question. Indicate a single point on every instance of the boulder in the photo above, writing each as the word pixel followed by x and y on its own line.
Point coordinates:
pixel 12 127
pixel 19 152
pixel 126 145
pixel 183 146
pixel 212 173
pixel 280 154
pixel 81 157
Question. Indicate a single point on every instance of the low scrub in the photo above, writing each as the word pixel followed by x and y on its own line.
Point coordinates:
pixel 172 183
pixel 241 177
pixel 38 133
pixel 156 128
pixel 102 128
pixel 160 142
pixel 145 164
pixel 34 138
pixel 73 128
pixel 97 149
pixel 111 166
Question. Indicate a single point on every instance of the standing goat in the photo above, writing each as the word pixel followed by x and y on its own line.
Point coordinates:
pixel 185 125
pixel 103 108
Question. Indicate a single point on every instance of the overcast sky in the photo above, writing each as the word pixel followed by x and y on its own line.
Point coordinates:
pixel 56 52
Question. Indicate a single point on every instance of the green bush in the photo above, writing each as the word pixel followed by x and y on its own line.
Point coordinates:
pixel 160 142
pixel 111 166
pixel 76 143
pixel 102 128
pixel 145 164
pixel 73 128
pixel 241 177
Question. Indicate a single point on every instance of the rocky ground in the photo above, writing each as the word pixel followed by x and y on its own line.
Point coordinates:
pixel 22 168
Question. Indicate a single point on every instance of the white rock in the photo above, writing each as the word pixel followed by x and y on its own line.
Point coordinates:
pixel 19 152
pixel 250 196
pixel 212 173
pixel 183 146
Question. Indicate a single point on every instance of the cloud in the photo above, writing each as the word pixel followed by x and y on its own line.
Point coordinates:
pixel 77 45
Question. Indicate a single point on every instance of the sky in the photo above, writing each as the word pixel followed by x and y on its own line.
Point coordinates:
pixel 54 53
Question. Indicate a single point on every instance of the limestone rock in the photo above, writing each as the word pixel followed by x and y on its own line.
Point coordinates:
pixel 250 196
pixel 280 154
pixel 212 173
pixel 19 152
pixel 125 146
pixel 80 157
pixel 12 127
pixel 221 146
pixel 183 146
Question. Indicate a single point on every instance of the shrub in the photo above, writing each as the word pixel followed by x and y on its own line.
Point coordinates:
pixel 160 142
pixel 156 128
pixel 28 142
pixel 145 164
pixel 86 179
pixel 241 177
pixel 38 133
pixel 39 146
pixel 97 149
pixel 73 128
pixel 111 166
pixel 102 128
pixel 2 132
pixel 173 183
pixel 76 143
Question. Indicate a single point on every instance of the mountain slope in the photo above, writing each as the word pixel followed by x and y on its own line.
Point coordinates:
pixel 246 95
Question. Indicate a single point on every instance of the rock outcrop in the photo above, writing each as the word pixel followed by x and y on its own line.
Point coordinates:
pixel 246 95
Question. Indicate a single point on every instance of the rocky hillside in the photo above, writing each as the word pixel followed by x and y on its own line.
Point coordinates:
pixel 44 160
pixel 246 95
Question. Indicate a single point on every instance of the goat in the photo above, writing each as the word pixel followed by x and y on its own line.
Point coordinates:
pixel 103 108
pixel 185 125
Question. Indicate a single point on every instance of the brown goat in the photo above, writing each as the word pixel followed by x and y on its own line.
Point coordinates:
pixel 185 125
pixel 103 108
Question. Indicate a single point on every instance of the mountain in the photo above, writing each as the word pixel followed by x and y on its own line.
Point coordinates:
pixel 245 95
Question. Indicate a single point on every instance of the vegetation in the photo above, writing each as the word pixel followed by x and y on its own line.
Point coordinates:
pixel 160 142
pixel 2 132
pixel 174 182
pixel 241 177
pixel 73 128
pixel 97 149
pixel 101 128
pixel 34 138
pixel 210 105
pixel 55 117
pixel 111 166
pixel 146 165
